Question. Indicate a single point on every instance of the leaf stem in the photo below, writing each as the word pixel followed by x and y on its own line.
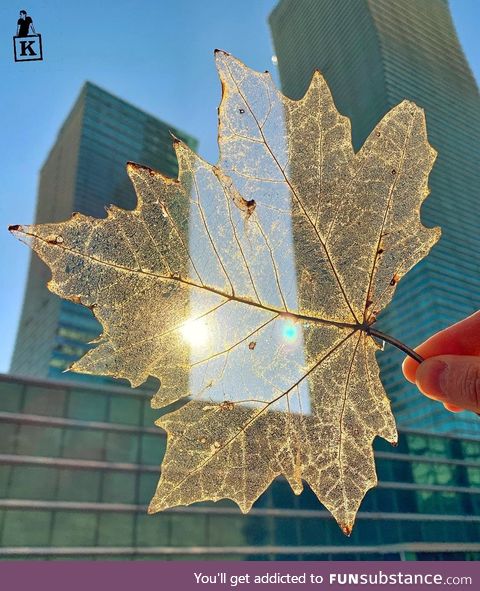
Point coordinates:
pixel 395 342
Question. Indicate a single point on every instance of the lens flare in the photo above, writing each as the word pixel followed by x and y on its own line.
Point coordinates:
pixel 195 332
pixel 290 332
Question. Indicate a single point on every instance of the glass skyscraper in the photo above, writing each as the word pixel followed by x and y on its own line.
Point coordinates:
pixel 84 172
pixel 79 463
pixel 374 54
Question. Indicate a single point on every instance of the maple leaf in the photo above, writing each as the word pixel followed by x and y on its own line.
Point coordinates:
pixel 252 287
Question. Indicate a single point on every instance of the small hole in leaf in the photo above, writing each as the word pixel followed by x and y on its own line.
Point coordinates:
pixel 394 279
pixel 394 172
pixel 241 111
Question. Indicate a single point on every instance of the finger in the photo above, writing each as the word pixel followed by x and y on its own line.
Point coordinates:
pixel 452 379
pixel 462 338
pixel 452 407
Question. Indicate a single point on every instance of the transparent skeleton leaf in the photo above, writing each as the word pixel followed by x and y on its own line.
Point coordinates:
pixel 250 289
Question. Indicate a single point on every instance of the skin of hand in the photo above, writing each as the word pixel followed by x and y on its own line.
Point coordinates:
pixel 451 370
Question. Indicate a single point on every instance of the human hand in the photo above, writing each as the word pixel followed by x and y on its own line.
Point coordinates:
pixel 451 370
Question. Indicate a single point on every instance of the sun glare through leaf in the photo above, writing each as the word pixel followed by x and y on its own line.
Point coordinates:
pixel 195 332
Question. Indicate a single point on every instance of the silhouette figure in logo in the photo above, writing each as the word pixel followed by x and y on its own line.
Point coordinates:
pixel 24 24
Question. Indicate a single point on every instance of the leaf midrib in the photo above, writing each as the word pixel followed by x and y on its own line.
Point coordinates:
pixel 219 292
pixel 294 193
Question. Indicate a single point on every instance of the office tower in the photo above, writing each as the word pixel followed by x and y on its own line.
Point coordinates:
pixel 85 172
pixel 374 54
pixel 79 463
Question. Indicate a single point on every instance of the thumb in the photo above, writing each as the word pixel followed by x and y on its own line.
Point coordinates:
pixel 454 379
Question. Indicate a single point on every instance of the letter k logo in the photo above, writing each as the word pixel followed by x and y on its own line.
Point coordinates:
pixel 28 49
pixel 27 46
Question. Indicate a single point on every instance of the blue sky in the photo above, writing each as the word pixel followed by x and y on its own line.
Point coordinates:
pixel 157 54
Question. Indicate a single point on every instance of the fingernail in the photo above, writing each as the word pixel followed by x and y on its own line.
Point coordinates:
pixel 432 378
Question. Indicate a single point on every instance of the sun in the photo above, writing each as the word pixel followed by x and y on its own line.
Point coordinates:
pixel 195 332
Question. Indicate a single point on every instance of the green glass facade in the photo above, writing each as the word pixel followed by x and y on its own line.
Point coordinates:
pixel 80 462
pixel 85 172
pixel 374 54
